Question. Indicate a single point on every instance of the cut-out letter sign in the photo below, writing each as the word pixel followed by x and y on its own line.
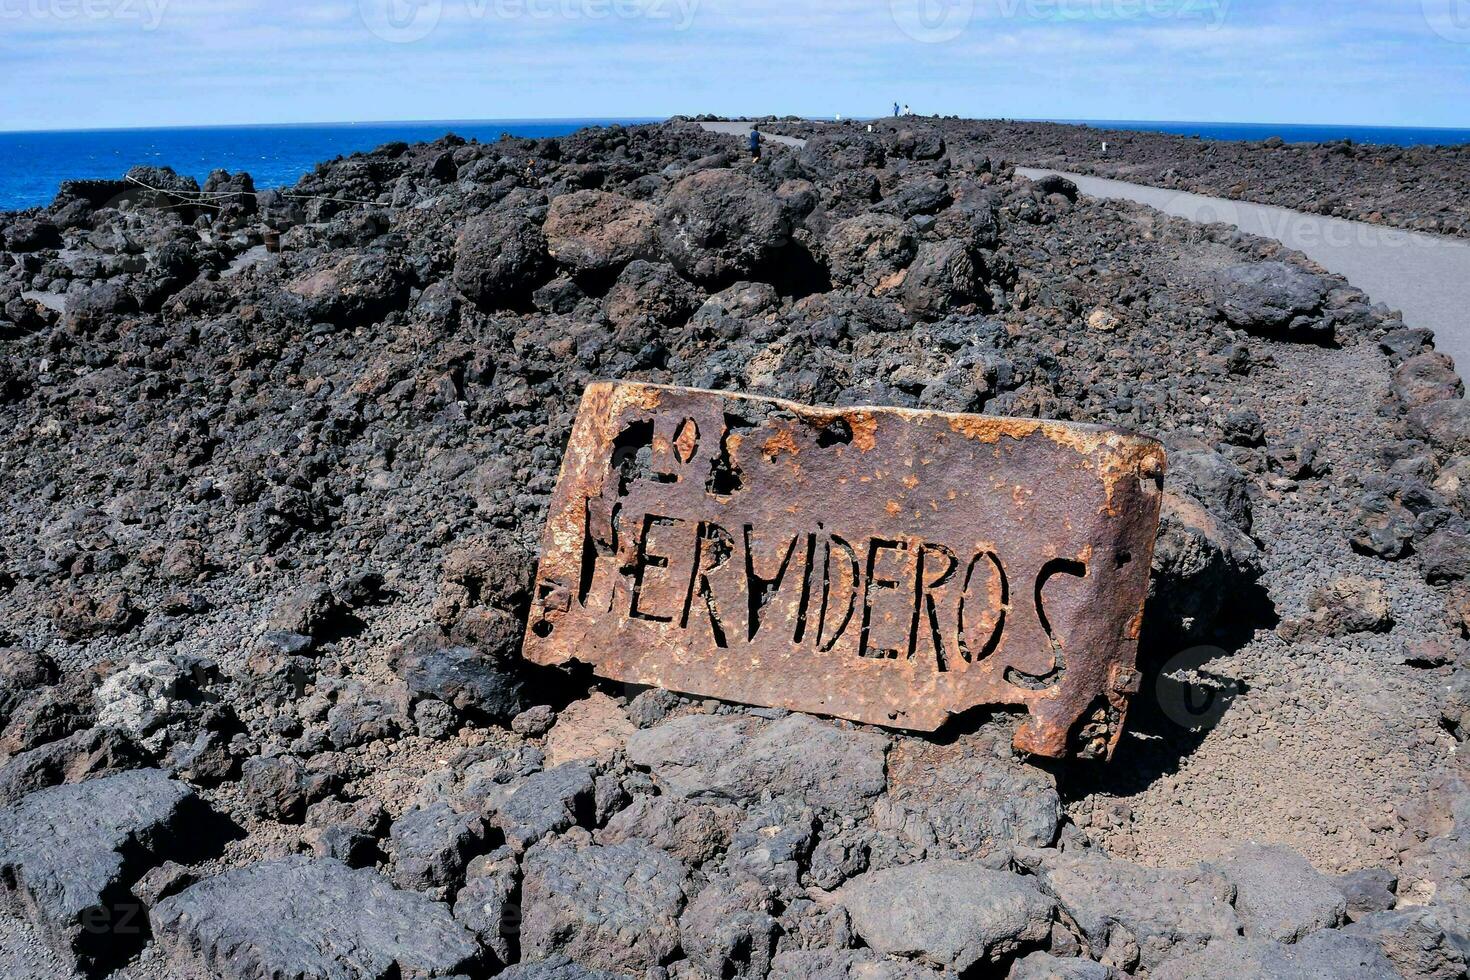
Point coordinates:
pixel 886 565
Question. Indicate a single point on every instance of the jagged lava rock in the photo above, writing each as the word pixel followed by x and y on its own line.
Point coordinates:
pixel 69 854
pixel 311 919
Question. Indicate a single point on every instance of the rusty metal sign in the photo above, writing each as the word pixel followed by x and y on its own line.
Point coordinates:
pixel 881 564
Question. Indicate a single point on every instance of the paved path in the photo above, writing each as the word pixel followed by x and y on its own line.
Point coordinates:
pixel 1425 276
pixel 742 128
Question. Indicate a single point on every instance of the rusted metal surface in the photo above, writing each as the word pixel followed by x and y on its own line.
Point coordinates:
pixel 879 564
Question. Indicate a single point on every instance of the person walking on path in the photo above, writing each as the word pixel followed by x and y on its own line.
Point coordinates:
pixel 755 145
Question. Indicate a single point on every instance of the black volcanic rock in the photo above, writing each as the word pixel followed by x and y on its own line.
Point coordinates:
pixel 69 854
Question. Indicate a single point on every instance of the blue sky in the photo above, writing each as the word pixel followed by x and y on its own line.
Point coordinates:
pixel 102 63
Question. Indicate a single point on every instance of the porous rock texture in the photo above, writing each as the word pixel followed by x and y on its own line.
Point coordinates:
pixel 269 536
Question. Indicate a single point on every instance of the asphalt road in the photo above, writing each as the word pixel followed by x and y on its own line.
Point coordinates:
pixel 1427 277
pixel 741 129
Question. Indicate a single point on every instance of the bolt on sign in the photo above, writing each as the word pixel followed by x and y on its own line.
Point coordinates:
pixel 885 565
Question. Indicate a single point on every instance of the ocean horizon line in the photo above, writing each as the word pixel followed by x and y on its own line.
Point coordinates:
pixel 640 120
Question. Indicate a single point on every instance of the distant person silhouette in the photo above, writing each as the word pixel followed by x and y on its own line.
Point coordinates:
pixel 755 145
pixel 895 108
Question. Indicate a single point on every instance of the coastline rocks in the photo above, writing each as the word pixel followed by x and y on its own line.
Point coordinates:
pixel 316 918
pixel 721 225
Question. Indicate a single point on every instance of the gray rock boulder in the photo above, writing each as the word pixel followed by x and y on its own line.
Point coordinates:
pixel 692 831
pixel 1424 378
pixel 721 224
pixel 1200 558
pixel 944 276
pixel 729 930
pixel 1419 941
pixel 1044 966
pixel 773 842
pixel 962 801
pixel 430 847
pixel 869 252
pixel 1326 955
pixel 950 914
pixel 1367 890
pixel 739 758
pixel 488 906
pixel 593 232
pixel 526 810
pixel 557 968
pixel 1271 296
pixel 1279 896
pixel 69 855
pixel 613 907
pixel 501 256
pixel 1130 916
pixel 74 759
pixel 309 919
pixel 848 964
pixel 1446 424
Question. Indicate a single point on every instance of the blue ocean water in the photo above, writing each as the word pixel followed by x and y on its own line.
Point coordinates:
pixel 1291 133
pixel 33 165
